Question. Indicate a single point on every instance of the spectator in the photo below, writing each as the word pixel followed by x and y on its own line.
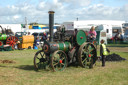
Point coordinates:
pixel 29 33
pixel 103 52
pixel 92 33
pixel 116 37
pixel 44 37
pixel 121 37
pixel 37 42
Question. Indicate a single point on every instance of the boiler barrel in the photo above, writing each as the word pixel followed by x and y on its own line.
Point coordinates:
pixel 65 46
pixel 3 36
pixel 53 46
pixel 28 39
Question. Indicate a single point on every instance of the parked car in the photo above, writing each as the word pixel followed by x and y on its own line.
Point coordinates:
pixel 35 34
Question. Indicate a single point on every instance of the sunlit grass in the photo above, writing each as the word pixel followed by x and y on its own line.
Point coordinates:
pixel 22 72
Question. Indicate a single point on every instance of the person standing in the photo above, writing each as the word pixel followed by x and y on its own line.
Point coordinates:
pixel 37 42
pixel 116 37
pixel 44 37
pixel 121 38
pixel 103 52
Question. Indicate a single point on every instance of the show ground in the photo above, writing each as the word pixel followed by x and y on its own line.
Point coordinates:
pixel 16 68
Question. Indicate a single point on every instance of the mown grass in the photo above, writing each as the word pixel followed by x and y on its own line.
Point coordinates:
pixel 117 45
pixel 22 72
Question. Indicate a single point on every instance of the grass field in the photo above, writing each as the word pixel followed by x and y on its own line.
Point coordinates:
pixel 22 72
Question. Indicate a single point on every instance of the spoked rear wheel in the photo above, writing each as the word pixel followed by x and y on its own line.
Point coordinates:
pixel 40 60
pixel 58 60
pixel 86 55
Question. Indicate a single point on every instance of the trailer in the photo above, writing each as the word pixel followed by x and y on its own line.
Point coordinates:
pixel 125 29
pixel 105 28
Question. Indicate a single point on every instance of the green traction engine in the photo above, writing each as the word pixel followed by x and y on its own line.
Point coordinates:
pixel 65 47
pixel 7 40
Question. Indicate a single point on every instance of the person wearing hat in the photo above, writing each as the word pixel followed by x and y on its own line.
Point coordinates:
pixel 103 52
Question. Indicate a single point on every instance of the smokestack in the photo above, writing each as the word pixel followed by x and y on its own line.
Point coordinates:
pixel 51 23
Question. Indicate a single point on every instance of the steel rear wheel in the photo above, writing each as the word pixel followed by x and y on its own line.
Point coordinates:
pixel 58 60
pixel 40 60
pixel 86 55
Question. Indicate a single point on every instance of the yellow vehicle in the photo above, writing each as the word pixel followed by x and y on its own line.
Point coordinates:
pixel 27 42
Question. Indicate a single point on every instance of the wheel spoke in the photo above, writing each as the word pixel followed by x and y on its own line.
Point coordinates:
pixel 55 64
pixel 60 54
pixel 84 59
pixel 82 56
pixel 90 50
pixel 38 58
pixel 62 58
pixel 62 64
pixel 92 55
pixel 39 65
pixel 41 55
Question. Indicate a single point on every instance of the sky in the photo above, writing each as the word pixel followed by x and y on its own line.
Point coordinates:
pixel 15 11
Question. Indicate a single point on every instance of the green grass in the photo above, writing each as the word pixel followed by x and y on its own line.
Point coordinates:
pixel 117 45
pixel 22 72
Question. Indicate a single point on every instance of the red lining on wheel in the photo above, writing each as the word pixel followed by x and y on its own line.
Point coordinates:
pixel 1 43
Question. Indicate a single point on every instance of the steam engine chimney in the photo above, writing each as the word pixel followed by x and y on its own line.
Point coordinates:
pixel 51 23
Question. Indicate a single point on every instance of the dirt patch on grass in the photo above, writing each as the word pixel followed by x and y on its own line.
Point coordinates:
pixel 7 61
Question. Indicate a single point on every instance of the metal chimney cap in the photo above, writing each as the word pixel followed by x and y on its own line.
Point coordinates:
pixel 51 12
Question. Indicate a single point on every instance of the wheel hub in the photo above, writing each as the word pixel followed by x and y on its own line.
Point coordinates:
pixel 42 60
pixel 89 55
pixel 11 42
pixel 60 61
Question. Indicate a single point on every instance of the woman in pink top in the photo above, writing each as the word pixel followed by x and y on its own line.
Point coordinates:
pixel 92 33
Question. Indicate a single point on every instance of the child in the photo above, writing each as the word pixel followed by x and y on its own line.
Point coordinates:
pixel 37 42
pixel 103 52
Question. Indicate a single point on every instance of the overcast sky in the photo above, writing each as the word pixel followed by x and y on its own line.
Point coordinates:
pixel 15 11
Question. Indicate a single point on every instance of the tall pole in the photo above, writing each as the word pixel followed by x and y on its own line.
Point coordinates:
pixel 26 24
pixel 51 23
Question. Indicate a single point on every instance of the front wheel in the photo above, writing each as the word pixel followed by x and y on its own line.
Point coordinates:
pixel 58 60
pixel 40 60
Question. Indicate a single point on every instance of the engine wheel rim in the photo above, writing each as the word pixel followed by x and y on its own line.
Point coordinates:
pixel 86 54
pixel 40 60
pixel 12 41
pixel 1 43
pixel 58 61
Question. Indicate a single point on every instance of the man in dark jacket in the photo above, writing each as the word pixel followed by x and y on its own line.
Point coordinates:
pixel 44 37
pixel 103 52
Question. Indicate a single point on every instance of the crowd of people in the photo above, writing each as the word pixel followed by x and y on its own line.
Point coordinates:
pixel 37 41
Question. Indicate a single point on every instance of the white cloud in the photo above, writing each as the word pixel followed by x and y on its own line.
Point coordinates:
pixel 16 16
pixel 65 10
pixel 99 11
pixel 76 2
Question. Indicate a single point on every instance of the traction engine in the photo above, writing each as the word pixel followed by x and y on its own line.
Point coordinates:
pixel 7 39
pixel 64 48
